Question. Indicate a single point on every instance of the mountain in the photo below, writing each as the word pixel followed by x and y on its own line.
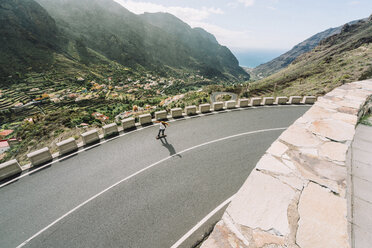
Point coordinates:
pixel 198 44
pixel 285 59
pixel 86 33
pixel 29 36
pixel 338 59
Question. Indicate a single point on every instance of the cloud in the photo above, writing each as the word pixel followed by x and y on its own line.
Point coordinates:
pixel 231 38
pixel 215 10
pixel 247 3
pixel 354 3
pixel 186 14
pixel 195 18
pixel 232 4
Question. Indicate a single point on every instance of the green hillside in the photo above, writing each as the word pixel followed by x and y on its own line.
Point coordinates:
pixel 29 37
pixel 198 44
pixel 61 61
pixel 285 59
pixel 135 41
pixel 89 33
pixel 339 59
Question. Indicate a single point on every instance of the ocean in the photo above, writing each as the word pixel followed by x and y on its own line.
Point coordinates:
pixel 254 57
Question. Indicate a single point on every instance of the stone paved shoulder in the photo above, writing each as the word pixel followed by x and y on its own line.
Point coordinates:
pixel 297 194
pixel 361 178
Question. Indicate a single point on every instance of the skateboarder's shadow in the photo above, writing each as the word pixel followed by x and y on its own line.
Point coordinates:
pixel 170 147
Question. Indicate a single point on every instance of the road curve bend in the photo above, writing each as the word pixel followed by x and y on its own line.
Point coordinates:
pixel 136 191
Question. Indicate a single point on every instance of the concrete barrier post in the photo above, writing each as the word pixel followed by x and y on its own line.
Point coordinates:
pixel 190 110
pixel 268 101
pixel 256 101
pixel 280 100
pixel 309 100
pixel 295 99
pixel 243 103
pixel 145 119
pixel 217 106
pixel 161 115
pixel 176 112
pixel 40 156
pixel 90 137
pixel 110 129
pixel 205 108
pixel 231 104
pixel 128 123
pixel 9 168
pixel 67 146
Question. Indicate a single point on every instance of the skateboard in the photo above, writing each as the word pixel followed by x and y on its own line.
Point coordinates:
pixel 159 137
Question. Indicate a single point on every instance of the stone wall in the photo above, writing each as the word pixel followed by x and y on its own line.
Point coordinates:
pixel 297 194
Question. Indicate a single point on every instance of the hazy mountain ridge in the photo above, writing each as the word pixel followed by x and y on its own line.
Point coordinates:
pixel 287 58
pixel 104 27
pixel 198 43
pixel 338 59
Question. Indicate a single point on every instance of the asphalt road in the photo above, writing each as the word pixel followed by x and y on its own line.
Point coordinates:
pixel 155 207
pixel 215 94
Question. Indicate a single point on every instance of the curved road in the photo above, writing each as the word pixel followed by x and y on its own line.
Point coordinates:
pixel 215 94
pixel 136 191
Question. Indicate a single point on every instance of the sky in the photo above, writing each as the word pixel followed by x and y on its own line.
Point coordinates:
pixel 244 25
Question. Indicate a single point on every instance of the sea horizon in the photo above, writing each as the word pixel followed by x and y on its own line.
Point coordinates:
pixel 252 58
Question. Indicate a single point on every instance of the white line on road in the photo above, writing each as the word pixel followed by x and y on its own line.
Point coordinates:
pixel 70 155
pixel 200 223
pixel 138 172
pixel 138 129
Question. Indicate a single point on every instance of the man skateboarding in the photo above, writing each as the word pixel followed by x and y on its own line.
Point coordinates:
pixel 162 126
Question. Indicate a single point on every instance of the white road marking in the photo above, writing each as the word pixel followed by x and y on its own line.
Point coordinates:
pixel 70 155
pixel 123 134
pixel 200 223
pixel 138 172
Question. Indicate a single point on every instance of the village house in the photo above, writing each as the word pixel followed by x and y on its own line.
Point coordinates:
pixel 4 146
pixel 72 96
pixel 55 100
pixel 29 120
pixel 6 143
pixel 124 115
pixel 100 116
pixel 82 125
pixel 18 105
pixel 5 133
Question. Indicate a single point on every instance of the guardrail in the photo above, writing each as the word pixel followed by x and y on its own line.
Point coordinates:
pixel 230 104
pixel 66 146
pixel 9 168
pixel 217 106
pixel 91 137
pixel 40 156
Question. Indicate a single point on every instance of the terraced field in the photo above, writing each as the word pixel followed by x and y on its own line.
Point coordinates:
pixel 10 98
pixel 24 93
